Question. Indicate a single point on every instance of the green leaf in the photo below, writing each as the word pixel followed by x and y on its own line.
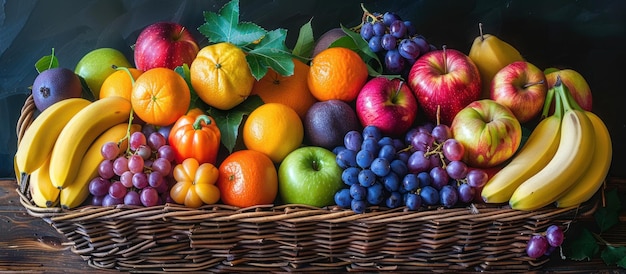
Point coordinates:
pixel 195 101
pixel 230 121
pixel 305 43
pixel 622 263
pixel 581 247
pixel 46 62
pixel 271 52
pixel 612 255
pixel 225 27
pixel 608 216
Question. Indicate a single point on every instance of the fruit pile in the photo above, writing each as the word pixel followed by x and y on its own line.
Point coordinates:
pixel 246 121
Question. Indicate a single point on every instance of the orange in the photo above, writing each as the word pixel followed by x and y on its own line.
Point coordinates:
pixel 289 90
pixel 337 73
pixel 220 75
pixel 274 129
pixel 160 96
pixel 119 83
pixel 247 178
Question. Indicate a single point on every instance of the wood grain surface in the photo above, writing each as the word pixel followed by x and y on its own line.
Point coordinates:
pixel 30 245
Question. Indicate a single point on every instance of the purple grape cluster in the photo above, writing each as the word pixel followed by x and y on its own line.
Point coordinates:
pixel 394 40
pixel 545 244
pixel 139 176
pixel 425 169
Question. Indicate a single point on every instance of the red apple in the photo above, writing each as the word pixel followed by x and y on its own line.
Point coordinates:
pixel 164 44
pixel 447 79
pixel 575 83
pixel 489 132
pixel 520 86
pixel 388 104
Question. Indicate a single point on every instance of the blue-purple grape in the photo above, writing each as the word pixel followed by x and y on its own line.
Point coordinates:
pixel 358 192
pixel 408 49
pixel 372 132
pixel 410 28
pixel 108 200
pixel 394 200
pixel 388 42
pixel 379 28
pixel 424 178
pixel 391 182
pixel 375 44
pixel 413 201
pixel 358 206
pixel 380 167
pixel 453 150
pixel 370 145
pixel 466 193
pixel 375 194
pixel 342 198
pixel 422 44
pixel 423 141
pixel 364 158
pixel 390 17
pixel 397 29
pixel 430 195
pixel 399 167
pixel 366 177
pixel 410 182
pixel 441 133
pixel 394 61
pixel 387 151
pixel 448 196
pixel 353 140
pixel 346 158
pixel 367 31
pixel 350 175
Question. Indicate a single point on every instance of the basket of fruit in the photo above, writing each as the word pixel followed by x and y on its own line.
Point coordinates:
pixel 244 155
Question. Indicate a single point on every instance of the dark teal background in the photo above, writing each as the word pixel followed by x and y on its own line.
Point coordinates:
pixel 587 35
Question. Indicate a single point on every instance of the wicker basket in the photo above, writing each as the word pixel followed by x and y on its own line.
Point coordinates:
pixel 279 238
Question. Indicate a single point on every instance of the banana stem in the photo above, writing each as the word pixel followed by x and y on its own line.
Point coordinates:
pixel 547 103
pixel 563 93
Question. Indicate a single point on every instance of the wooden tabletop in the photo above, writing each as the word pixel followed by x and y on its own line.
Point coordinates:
pixel 30 245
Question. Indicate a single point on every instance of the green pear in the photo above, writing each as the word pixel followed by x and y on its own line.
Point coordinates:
pixel 97 65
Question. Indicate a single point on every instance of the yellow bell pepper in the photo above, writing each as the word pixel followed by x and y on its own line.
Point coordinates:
pixel 195 183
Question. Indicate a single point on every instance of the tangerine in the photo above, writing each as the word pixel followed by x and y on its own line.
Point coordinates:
pixel 119 83
pixel 290 90
pixel 274 129
pixel 160 96
pixel 220 75
pixel 247 178
pixel 337 73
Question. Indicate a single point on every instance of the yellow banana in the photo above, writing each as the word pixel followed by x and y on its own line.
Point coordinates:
pixel 77 192
pixel 577 143
pixel 38 140
pixel 593 178
pixel 530 159
pixel 80 132
pixel 43 193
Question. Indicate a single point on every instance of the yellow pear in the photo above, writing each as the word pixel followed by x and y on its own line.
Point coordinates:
pixel 490 54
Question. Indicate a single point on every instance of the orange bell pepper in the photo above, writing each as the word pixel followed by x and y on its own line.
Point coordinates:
pixel 195 135
pixel 195 184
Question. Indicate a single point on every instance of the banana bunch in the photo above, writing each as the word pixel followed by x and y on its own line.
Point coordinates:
pixel 60 151
pixel 564 161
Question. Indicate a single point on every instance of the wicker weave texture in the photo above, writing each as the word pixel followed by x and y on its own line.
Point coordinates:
pixel 284 238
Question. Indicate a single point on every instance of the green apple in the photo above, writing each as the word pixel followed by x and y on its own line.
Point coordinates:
pixel 309 175
pixel 97 65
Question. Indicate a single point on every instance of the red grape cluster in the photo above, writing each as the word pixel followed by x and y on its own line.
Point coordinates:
pixel 424 169
pixel 138 176
pixel 545 244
